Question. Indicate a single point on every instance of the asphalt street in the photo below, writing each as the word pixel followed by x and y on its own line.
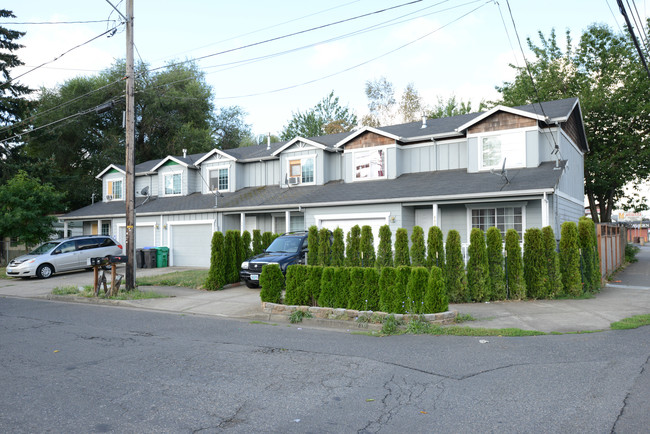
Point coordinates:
pixel 87 368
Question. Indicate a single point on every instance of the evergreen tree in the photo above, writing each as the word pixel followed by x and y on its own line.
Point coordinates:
pixel 418 252
pixel 352 246
pixel 272 283
pixel 312 243
pixel 585 238
pixel 338 249
pixel 435 249
pixel 570 260
pixel 246 240
pixel 216 276
pixel 257 242
pixel 241 253
pixel 456 279
pixel 324 254
pixel 371 288
pixel 478 269
pixel 386 289
pixel 230 250
pixel 535 270
pixel 402 257
pixel 385 250
pixel 367 247
pixel 401 301
pixel 495 259
pixel 296 280
pixel 416 288
pixel 356 292
pixel 327 295
pixel 313 283
pixel 515 282
pixel 435 296
pixel 595 269
pixel 341 285
pixel 553 277
pixel 267 239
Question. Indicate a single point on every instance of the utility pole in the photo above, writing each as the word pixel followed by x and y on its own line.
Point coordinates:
pixel 130 151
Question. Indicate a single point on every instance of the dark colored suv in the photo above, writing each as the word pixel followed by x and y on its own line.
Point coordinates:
pixel 287 249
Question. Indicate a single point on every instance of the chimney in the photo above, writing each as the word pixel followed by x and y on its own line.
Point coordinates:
pixel 268 141
pixel 424 121
pixel 184 153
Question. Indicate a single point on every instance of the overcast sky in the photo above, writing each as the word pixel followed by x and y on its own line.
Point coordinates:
pixel 453 47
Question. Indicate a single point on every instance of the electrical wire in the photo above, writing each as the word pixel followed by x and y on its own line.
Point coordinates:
pixel 639 24
pixel 58 22
pixel 614 15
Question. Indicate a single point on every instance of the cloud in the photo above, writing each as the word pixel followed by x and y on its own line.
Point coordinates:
pixel 329 54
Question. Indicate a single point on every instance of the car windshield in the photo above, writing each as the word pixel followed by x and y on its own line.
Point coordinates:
pixel 284 245
pixel 44 248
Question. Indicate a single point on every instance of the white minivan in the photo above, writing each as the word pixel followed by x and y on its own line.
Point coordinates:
pixel 63 255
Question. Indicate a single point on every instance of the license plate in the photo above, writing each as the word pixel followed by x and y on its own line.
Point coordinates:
pixel 255 277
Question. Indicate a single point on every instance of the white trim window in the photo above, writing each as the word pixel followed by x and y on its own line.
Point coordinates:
pixel 302 170
pixel 114 189
pixel 172 183
pixel 503 218
pixel 495 147
pixel 219 179
pixel 369 164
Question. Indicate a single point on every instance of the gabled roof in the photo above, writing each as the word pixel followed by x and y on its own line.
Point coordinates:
pixel 183 161
pixel 296 140
pixel 111 167
pixel 363 130
pixel 213 152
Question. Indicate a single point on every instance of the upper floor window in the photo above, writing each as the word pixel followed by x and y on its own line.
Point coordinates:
pixel 369 164
pixel 219 179
pixel 172 184
pixel 494 148
pixel 115 189
pixel 301 171
pixel 501 218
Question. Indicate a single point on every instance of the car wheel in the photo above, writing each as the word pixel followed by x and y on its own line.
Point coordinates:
pixel 44 271
pixel 252 285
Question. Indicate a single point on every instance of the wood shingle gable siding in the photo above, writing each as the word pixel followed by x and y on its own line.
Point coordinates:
pixel 369 140
pixel 501 121
pixel 573 129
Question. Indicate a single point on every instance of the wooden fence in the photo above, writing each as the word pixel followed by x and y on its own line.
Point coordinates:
pixel 611 247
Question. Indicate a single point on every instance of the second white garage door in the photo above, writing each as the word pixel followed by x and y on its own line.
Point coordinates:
pixel 346 221
pixel 190 244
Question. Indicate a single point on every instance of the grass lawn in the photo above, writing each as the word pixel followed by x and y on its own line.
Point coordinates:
pixel 188 279
pixel 3 273
pixel 631 322
pixel 87 291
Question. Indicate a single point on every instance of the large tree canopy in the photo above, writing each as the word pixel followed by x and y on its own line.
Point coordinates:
pixel 604 73
pixel 326 117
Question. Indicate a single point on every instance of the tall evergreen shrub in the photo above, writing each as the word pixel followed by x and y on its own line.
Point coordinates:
pixel 478 269
pixel 338 249
pixel 313 283
pixel 272 283
pixel 385 249
pixel 402 257
pixel 535 272
pixel 327 295
pixel 296 290
pixel 570 260
pixel 367 247
pixel 371 288
pixel 553 277
pixel 497 290
pixel 418 251
pixel 230 252
pixel 516 285
pixel 267 239
pixel 456 279
pixel 342 285
pixel 435 296
pixel 258 247
pixel 324 253
pixel 246 240
pixel 386 289
pixel 401 300
pixel 241 252
pixel 585 243
pixel 312 244
pixel 416 288
pixel 596 276
pixel 435 249
pixel 217 274
pixel 352 246
pixel 356 290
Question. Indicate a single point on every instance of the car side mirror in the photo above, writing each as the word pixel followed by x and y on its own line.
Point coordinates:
pixel 305 250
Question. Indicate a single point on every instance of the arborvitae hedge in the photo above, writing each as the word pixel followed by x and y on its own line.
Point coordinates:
pixel 267 239
pixel 324 254
pixel 386 289
pixel 367 247
pixel 415 289
pixel 296 284
pixel 435 246
pixel 418 251
pixel 570 260
pixel 313 283
pixel 371 288
pixel 587 249
pixel 535 273
pixel 596 276
pixel 553 277
pixel 515 282
pixel 435 295
pixel 456 279
pixel 230 252
pixel 327 295
pixel 246 240
pixel 342 285
pixel 217 274
pixel 312 243
pixel 385 249
pixel 352 246
pixel 495 260
pixel 338 249
pixel 272 282
pixel 241 251
pixel 402 257
pixel 356 290
pixel 478 269
pixel 257 242
pixel 400 302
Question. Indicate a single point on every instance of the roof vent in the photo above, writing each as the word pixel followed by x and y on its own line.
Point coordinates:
pixel 184 153
pixel 424 121
pixel 268 142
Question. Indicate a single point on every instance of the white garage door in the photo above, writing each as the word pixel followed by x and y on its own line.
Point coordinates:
pixel 346 222
pixel 190 245
pixel 144 236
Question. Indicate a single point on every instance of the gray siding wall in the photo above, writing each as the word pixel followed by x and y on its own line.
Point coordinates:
pixel 173 169
pixel 150 181
pixel 433 157
pixel 472 154
pixel 453 217
pixel 532 148
pixel 572 180
pixel 533 214
pixel 216 163
pixel 332 166
pixel 566 210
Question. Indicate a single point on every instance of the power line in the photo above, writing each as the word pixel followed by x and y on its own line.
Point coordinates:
pixel 639 25
pixel 632 35
pixel 613 15
pixel 59 22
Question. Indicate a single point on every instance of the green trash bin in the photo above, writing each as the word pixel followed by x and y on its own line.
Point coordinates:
pixel 162 256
